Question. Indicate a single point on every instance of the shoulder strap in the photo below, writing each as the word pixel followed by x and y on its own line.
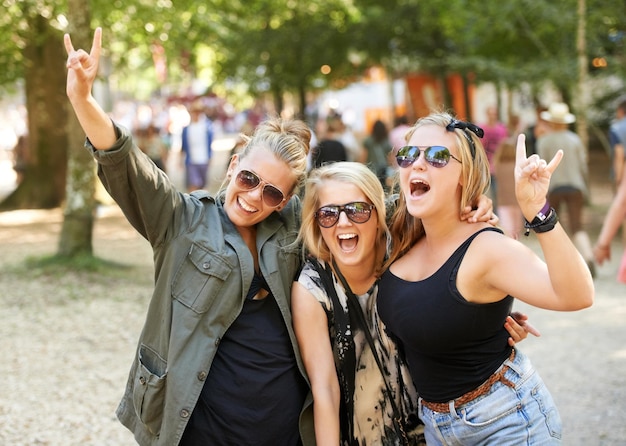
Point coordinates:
pixel 356 313
pixel 346 369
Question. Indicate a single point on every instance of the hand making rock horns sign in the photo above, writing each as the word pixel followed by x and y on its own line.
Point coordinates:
pixel 532 178
pixel 82 67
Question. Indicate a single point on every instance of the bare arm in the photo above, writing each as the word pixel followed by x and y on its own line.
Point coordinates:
pixel 612 221
pixel 82 68
pixel 563 282
pixel 311 328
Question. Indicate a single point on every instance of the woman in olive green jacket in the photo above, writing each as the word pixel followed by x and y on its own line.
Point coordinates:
pixel 217 361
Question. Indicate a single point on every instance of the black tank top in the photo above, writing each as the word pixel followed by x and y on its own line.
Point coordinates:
pixel 451 345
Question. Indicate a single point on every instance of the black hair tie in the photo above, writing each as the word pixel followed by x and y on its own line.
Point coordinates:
pixel 465 126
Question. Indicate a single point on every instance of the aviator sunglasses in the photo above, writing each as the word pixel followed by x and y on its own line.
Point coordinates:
pixel 357 211
pixel 436 156
pixel 272 196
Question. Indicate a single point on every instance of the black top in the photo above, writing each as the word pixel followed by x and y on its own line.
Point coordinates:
pixel 452 345
pixel 256 364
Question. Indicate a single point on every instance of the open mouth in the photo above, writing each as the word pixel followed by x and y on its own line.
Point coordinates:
pixel 419 187
pixel 348 242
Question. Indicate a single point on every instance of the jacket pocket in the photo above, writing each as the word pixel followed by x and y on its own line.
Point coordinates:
pixel 149 388
pixel 199 279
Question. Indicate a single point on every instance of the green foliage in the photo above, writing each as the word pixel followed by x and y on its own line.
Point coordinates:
pixel 280 45
pixel 510 42
pixel 15 32
pixel 283 46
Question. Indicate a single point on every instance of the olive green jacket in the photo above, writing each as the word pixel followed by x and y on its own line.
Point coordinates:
pixel 203 270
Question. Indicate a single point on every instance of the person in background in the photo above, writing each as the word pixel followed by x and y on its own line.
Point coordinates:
pixel 354 150
pixel 568 185
pixel 377 147
pixel 617 139
pixel 217 361
pixel 397 138
pixel 245 131
pixel 152 144
pixel 614 218
pixel 397 135
pixel 329 148
pixel 345 234
pixel 534 131
pixel 508 210
pixel 495 132
pixel 21 157
pixel 196 141
pixel 449 287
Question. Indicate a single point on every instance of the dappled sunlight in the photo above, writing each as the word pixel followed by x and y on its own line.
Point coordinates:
pixel 619 354
pixel 30 216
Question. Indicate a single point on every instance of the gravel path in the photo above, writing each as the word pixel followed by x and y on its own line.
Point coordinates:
pixel 67 344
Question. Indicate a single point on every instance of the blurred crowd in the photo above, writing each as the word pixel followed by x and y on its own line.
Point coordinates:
pixel 181 131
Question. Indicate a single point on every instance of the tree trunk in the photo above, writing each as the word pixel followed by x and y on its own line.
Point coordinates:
pixel 43 185
pixel 468 79
pixel 302 100
pixel 80 205
pixel 279 102
pixel 582 89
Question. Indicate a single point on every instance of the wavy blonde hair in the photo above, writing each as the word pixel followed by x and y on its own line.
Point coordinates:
pixel 349 173
pixel 405 229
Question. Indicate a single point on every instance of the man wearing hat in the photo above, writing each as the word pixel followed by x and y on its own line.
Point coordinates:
pixel 568 184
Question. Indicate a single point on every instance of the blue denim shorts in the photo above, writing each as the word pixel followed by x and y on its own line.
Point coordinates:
pixel 522 415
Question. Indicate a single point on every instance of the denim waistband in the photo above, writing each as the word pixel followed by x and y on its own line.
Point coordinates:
pixel 485 387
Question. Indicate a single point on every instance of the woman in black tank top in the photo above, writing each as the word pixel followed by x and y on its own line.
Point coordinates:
pixel 449 287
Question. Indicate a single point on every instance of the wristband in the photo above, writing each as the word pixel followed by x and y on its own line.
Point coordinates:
pixel 543 213
pixel 540 217
pixel 540 225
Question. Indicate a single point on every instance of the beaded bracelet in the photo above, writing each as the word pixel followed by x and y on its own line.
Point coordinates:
pixel 544 224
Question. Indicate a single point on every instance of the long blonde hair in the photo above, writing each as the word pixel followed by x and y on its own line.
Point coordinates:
pixel 349 173
pixel 405 229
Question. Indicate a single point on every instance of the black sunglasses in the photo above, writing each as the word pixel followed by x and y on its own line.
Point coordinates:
pixel 436 156
pixel 272 196
pixel 357 211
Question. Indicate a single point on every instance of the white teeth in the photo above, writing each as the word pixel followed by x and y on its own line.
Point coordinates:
pixel 245 205
pixel 346 236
